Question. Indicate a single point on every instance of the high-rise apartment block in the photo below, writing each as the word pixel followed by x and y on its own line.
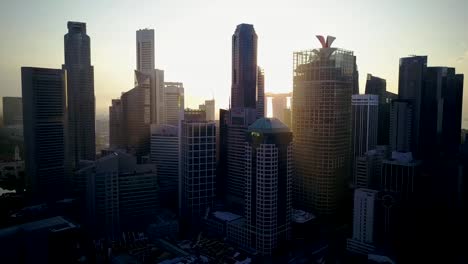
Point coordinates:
pixel 12 111
pixel 324 80
pixel 362 241
pixel 80 94
pixel 44 117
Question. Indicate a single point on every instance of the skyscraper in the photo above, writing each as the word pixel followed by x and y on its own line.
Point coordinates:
pixel 365 123
pixel 368 168
pixel 323 84
pixel 145 50
pixel 197 165
pixel 268 185
pixel 260 93
pixel 165 155
pixel 378 86
pixel 244 67
pixel 80 93
pixel 116 131
pixel 12 111
pixel 412 74
pixel 401 114
pixel 174 102
pixel 44 117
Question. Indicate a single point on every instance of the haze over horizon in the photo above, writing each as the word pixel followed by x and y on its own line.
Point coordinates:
pixel 193 39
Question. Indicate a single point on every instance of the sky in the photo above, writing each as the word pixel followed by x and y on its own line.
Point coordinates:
pixel 193 39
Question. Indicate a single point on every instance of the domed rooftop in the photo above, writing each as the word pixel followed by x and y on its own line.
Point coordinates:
pixel 268 125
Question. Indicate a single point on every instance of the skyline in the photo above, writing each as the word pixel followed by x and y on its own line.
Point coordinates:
pixel 203 31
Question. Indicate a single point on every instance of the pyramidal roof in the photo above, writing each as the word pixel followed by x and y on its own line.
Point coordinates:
pixel 268 125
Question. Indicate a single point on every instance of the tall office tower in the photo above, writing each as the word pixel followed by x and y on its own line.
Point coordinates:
pixel 244 67
pixel 116 132
pixel 279 102
pixel 441 112
pixel 260 93
pixel 197 166
pixel 268 185
pixel 136 120
pixel 44 117
pixel 121 195
pixel 323 85
pixel 145 50
pixel 174 96
pixel 400 174
pixel 378 86
pixel 365 109
pixel 165 155
pixel 237 122
pixel 287 116
pixel 362 241
pixel 209 107
pixel 401 113
pixel 368 168
pixel 412 76
pixel 12 111
pixel 153 78
pixel 80 93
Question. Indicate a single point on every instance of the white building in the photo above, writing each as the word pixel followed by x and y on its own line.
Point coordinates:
pixel 174 102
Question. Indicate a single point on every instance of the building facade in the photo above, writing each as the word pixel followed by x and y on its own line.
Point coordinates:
pixel 365 109
pixel 80 93
pixel 260 92
pixel 44 118
pixel 401 118
pixel 209 107
pixel 324 80
pixel 117 139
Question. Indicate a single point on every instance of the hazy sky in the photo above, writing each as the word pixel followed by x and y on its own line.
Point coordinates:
pixel 193 39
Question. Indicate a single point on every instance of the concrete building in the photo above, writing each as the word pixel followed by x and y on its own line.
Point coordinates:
pixel 80 93
pixel 197 165
pixel 365 109
pixel 174 102
pixel 145 50
pixel 121 195
pixel 44 118
pixel 324 80
pixel 362 241
pixel 165 155
pixel 401 174
pixel 368 168
pixel 12 111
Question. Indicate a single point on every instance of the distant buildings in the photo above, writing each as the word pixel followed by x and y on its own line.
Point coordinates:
pixel 121 195
pixel 197 165
pixel 324 80
pixel 209 108
pixel 44 118
pixel 80 93
pixel 117 138
pixel 12 111
pixel 165 155
pixel 279 104
pixel 174 102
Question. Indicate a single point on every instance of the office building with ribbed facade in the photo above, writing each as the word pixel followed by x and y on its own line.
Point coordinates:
pixel 44 118
pixel 174 102
pixel 324 80
pixel 365 109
